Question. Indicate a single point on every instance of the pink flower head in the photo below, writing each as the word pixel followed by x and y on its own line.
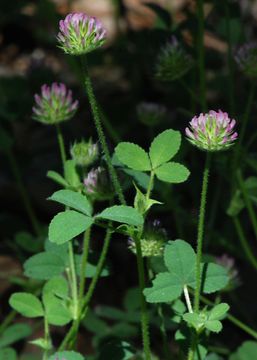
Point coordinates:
pixel 80 34
pixel 54 104
pixel 213 131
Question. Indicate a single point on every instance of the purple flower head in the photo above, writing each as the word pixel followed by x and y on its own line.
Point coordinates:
pixel 173 61
pixel 213 131
pixel 80 34
pixel 54 105
pixel 246 59
pixel 84 153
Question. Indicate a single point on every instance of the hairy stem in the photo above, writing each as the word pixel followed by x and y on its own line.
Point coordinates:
pixel 61 143
pixel 101 135
pixel 98 272
pixel 144 314
pixel 85 302
pixel 84 264
pixel 74 283
pixel 200 232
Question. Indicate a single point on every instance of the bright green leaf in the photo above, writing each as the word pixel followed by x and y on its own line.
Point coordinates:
pixel 73 200
pixel 67 225
pixel 213 325
pixel 180 259
pixel 218 312
pixel 165 289
pixel 133 156
pixel 26 304
pixel 164 147
pixel 41 343
pixel 122 214
pixel 172 172
pixel 67 355
pixel 56 310
pixel 44 266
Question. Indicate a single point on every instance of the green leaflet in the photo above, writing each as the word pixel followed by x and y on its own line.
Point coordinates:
pixel 164 147
pixel 26 304
pixel 122 214
pixel 68 224
pixel 133 156
pixel 73 200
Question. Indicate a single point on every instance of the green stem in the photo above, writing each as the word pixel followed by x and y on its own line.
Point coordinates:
pixel 101 135
pixel 47 338
pixel 61 143
pixel 85 302
pixel 244 242
pixel 23 192
pixel 144 314
pixel 85 253
pixel 74 283
pixel 150 186
pixel 201 53
pixel 200 232
pixel 98 272
pixel 247 201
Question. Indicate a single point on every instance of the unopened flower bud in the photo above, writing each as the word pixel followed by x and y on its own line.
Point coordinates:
pixel 80 34
pixel 54 105
pixel 84 153
pixel 173 62
pixel 151 114
pixel 153 241
pixel 213 131
pixel 246 58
